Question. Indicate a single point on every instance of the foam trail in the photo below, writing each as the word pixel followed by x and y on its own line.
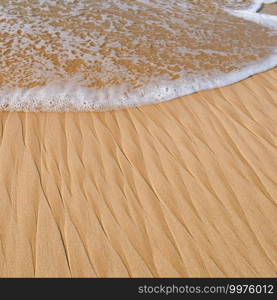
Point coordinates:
pixel 85 55
pixel 252 15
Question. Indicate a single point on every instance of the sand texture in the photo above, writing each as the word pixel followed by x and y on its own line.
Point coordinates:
pixel 269 9
pixel 182 188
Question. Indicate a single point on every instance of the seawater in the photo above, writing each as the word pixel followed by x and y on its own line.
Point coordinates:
pixel 83 55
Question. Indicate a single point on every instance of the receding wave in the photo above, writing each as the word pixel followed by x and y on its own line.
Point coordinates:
pixel 99 55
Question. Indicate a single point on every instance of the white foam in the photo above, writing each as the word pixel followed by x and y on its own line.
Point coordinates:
pixel 70 97
pixel 61 95
pixel 251 14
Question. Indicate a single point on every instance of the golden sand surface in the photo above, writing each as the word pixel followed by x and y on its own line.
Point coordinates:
pixel 182 188
pixel 270 9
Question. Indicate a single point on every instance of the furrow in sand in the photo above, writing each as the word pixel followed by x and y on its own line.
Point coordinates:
pixel 183 188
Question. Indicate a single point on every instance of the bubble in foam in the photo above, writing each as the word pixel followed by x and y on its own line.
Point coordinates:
pixel 95 55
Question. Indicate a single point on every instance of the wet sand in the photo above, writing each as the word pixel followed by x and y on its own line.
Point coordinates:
pixel 269 9
pixel 182 188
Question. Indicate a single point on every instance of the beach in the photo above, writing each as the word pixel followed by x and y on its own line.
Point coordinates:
pixel 81 55
pixel 270 9
pixel 184 188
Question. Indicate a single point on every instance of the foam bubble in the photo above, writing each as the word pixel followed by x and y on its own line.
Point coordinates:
pixel 89 55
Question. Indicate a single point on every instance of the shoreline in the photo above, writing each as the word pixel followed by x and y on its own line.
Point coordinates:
pixel 182 188
pixel 156 78
pixel 95 194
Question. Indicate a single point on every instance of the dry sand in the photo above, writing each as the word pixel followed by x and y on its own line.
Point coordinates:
pixel 183 188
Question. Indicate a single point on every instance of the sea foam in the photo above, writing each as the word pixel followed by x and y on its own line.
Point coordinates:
pixel 59 55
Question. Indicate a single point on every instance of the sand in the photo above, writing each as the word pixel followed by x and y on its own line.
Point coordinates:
pixel 183 188
pixel 269 9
